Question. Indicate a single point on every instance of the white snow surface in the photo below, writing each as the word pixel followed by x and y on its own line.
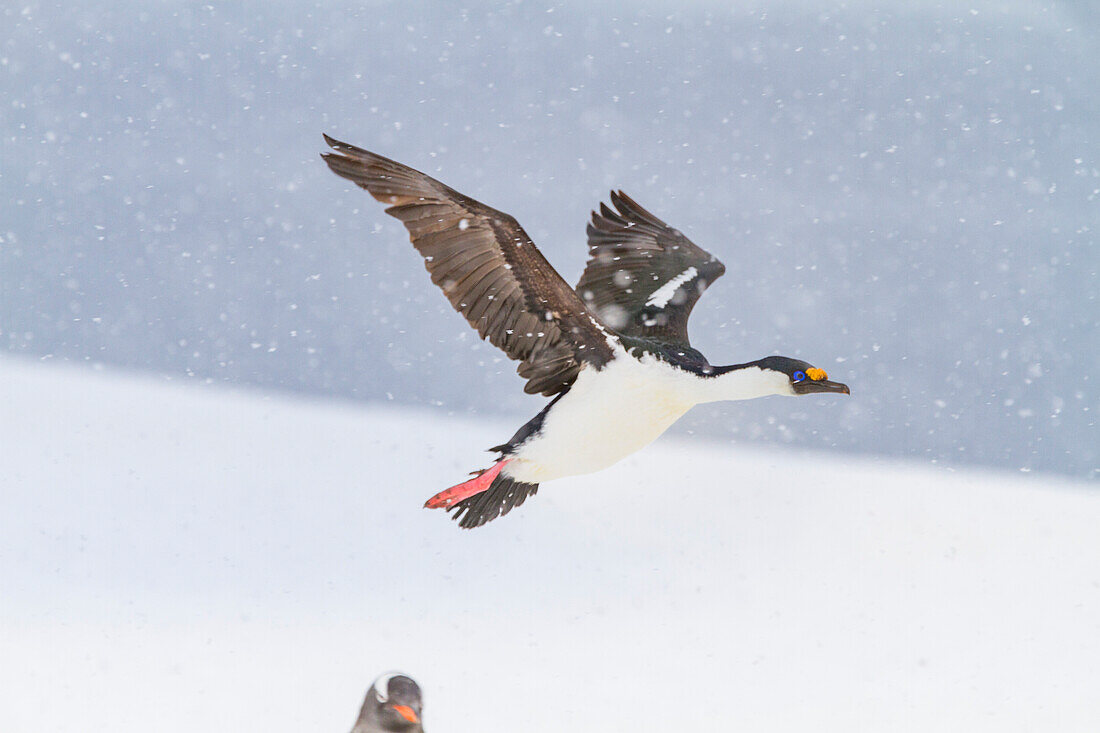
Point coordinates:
pixel 184 557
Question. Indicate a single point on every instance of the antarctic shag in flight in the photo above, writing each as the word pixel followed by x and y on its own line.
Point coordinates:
pixel 613 353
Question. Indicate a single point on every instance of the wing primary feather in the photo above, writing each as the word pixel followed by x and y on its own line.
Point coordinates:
pixel 488 268
pixel 642 274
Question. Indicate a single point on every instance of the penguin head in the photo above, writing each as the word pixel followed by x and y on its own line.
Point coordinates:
pixel 394 704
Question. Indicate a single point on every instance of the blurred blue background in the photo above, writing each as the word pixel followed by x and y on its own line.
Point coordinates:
pixel 907 194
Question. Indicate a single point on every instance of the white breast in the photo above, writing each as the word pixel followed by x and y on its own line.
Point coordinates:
pixel 605 416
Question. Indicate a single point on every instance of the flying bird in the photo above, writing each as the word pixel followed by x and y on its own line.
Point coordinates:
pixel 613 352
pixel 392 705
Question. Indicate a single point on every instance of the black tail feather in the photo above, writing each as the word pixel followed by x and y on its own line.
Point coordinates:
pixel 502 496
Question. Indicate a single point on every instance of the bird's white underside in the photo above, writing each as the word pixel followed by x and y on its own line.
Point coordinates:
pixel 611 413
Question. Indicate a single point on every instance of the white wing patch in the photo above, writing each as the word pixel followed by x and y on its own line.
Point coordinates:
pixel 662 295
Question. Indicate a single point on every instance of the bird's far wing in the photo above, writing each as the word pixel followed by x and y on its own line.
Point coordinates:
pixel 643 277
pixel 488 268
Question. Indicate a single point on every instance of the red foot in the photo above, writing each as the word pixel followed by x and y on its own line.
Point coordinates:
pixel 466 489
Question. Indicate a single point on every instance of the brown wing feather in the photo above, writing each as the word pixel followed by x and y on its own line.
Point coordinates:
pixel 488 268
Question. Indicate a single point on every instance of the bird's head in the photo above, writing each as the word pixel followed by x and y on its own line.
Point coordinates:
pixel 799 377
pixel 395 702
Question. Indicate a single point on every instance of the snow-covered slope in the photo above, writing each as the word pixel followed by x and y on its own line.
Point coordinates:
pixel 186 558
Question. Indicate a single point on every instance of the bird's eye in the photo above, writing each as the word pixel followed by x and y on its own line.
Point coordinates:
pixel 798 376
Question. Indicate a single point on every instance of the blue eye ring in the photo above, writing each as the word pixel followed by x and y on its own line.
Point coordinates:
pixel 799 376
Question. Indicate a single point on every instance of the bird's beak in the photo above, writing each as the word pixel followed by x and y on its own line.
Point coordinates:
pixel 407 713
pixel 809 386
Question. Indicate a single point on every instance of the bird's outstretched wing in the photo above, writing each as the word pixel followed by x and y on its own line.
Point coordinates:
pixel 643 277
pixel 488 268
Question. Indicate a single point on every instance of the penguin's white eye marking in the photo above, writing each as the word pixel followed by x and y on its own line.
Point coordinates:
pixel 381 686
pixel 662 295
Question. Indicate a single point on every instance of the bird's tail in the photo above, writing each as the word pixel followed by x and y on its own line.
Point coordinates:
pixel 483 498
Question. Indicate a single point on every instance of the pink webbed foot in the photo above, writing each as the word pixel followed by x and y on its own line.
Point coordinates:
pixel 449 497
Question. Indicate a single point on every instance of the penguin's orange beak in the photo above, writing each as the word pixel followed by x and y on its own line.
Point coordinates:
pixel 407 713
